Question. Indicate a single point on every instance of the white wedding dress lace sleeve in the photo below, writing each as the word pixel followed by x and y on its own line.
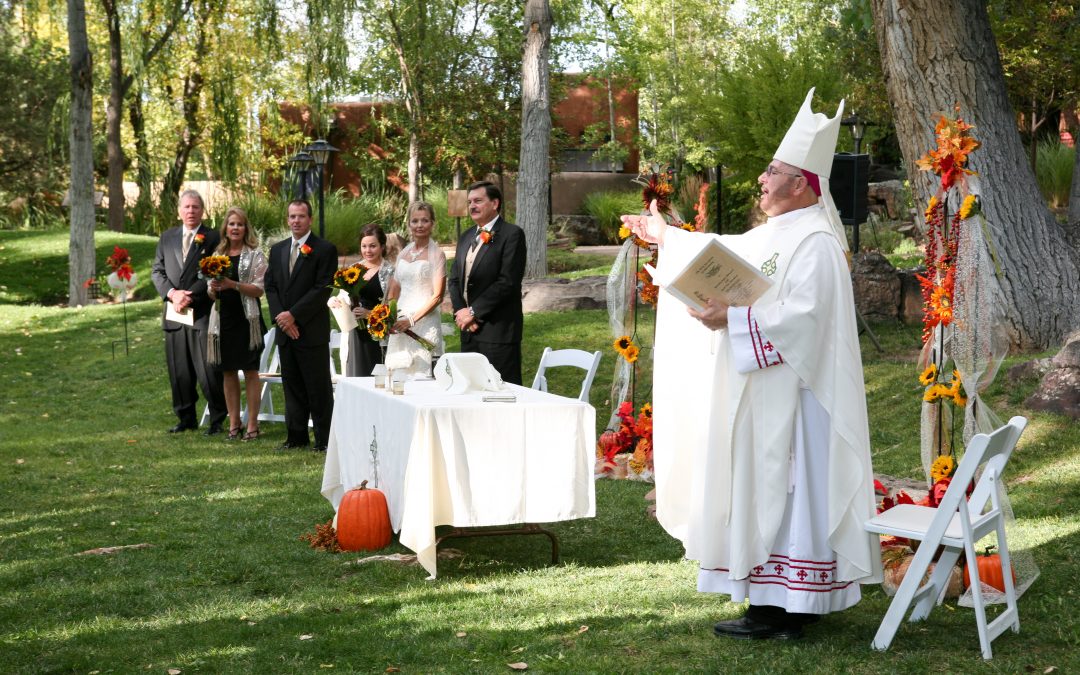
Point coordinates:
pixel 416 274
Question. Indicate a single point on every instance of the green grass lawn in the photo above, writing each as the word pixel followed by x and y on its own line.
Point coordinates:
pixel 226 585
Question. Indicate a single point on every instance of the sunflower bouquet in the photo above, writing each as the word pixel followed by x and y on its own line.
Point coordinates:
pixel 351 280
pixel 215 267
pixel 382 318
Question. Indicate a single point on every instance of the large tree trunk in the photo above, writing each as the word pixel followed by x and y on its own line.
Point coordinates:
pixel 189 137
pixel 1072 231
pixel 939 54
pixel 81 195
pixel 113 147
pixel 144 205
pixel 533 170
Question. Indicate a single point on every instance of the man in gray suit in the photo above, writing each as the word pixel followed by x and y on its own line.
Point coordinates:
pixel 175 272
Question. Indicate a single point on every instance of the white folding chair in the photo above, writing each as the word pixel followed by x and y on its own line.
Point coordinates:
pixel 568 357
pixel 335 346
pixel 264 365
pixel 956 525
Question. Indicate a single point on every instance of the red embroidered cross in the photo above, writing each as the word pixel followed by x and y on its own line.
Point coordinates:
pixel 768 347
pixel 801 575
pixel 759 569
pixel 824 576
pixel 779 569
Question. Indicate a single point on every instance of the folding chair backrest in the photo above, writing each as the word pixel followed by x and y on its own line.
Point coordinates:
pixel 335 346
pixel 1000 446
pixel 989 451
pixel 270 360
pixel 269 350
pixel 589 362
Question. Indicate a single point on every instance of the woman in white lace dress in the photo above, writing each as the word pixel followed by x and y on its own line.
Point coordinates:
pixel 418 284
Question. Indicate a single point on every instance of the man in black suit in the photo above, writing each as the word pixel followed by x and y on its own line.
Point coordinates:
pixel 297 288
pixel 175 272
pixel 485 283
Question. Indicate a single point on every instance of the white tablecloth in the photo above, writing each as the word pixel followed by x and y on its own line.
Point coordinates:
pixel 455 460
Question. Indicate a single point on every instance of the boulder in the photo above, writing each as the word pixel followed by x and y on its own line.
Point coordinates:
pixel 1028 370
pixel 876 285
pixel 911 302
pixel 581 230
pixel 886 198
pixel 557 294
pixel 1059 390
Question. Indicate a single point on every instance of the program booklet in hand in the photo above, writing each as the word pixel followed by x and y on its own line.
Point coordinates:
pixel 716 272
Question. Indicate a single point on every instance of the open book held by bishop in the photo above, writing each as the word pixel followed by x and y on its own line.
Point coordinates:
pixel 762 448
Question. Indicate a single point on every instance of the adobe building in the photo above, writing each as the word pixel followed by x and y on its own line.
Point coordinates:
pixel 584 104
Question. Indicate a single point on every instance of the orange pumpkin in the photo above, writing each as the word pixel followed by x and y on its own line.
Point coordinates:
pixel 989 571
pixel 363 521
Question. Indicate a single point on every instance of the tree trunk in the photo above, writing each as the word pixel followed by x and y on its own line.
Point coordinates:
pixel 81 195
pixel 939 54
pixel 533 170
pixel 1072 230
pixel 189 137
pixel 143 213
pixel 113 147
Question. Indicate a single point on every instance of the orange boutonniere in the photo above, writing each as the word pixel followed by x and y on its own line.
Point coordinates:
pixel 305 250
pixel 486 236
pixel 199 238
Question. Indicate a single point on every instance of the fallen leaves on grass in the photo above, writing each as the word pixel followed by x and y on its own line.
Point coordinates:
pixel 520 665
pixel 306 636
pixel 106 550
pixel 324 538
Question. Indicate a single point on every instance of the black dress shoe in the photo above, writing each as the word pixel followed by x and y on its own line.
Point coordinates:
pixel 745 628
pixel 213 430
pixel 319 448
pixel 181 427
pixel 290 446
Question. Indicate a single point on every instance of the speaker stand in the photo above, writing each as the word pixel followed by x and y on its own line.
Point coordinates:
pixel 865 328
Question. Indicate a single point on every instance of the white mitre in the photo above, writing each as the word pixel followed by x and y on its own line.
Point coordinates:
pixel 810 144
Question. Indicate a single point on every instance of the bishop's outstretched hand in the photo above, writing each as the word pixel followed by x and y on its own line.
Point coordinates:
pixel 651 228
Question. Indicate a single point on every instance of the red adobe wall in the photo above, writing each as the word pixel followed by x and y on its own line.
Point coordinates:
pixel 585 103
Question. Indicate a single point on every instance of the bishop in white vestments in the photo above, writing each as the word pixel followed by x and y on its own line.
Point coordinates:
pixel 761 443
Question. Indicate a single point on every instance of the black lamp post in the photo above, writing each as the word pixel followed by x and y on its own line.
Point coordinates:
pixel 302 161
pixel 320 151
pixel 858 128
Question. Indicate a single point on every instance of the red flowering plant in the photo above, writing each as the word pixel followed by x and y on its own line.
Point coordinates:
pixel 122 277
pixel 633 437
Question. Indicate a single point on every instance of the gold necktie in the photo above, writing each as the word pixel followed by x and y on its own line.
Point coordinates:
pixel 188 234
pixel 293 255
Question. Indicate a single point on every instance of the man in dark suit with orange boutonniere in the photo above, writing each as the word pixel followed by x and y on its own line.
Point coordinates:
pixel 485 283
pixel 186 315
pixel 297 287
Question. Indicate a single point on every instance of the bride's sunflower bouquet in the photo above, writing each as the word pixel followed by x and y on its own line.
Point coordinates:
pixel 383 316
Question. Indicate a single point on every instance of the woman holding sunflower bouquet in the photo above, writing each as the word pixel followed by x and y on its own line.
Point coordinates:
pixel 236 322
pixel 364 351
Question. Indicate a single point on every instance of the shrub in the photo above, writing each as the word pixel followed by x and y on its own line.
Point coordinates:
pixel 1053 169
pixel 606 207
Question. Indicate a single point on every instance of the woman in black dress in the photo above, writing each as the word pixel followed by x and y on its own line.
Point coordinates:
pixel 236 322
pixel 364 351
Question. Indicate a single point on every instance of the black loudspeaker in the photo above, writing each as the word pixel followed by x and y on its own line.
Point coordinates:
pixel 848 184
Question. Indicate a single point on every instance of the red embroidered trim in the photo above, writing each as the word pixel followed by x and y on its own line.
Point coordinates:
pixel 752 326
pixel 761 347
pixel 782 566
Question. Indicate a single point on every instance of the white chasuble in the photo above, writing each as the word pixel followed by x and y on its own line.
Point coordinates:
pixel 725 445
